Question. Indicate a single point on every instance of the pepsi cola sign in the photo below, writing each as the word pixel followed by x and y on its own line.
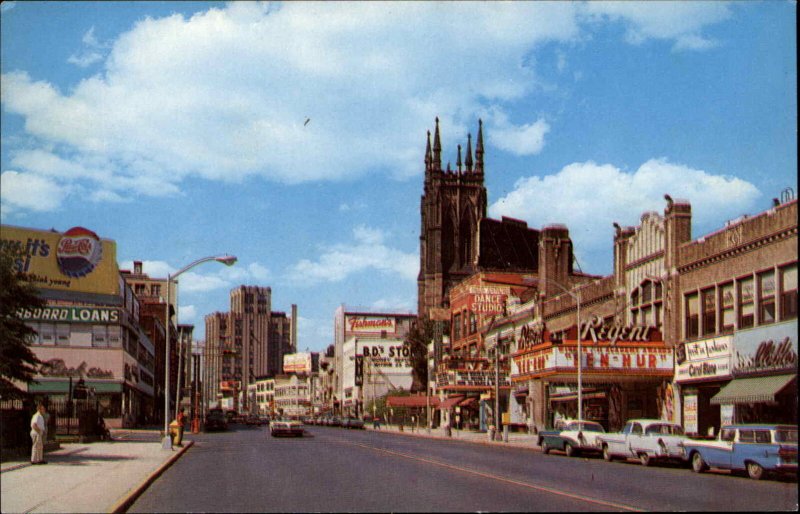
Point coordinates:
pixel 78 252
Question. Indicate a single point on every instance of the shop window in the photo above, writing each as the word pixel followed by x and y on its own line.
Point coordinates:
pixel 692 322
pixel 766 297
pixel 115 336
pixel 47 334
pixel 746 305
pixel 709 312
pixel 788 292
pixel 726 311
pixel 99 336
pixel 62 334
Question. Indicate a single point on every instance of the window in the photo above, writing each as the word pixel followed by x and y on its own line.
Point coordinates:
pixel 139 289
pixel 692 327
pixel 155 290
pixel 728 434
pixel 62 334
pixel 637 429
pixel 762 436
pixel 788 292
pixel 114 336
pixel 747 436
pixel 746 307
pixel 99 336
pixel 727 314
pixel 709 312
pixel 766 297
pixel 473 323
pixel 457 327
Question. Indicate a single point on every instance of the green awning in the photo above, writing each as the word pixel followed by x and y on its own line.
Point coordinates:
pixel 62 386
pixel 752 390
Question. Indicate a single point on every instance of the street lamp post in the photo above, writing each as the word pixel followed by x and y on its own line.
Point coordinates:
pixel 227 260
pixel 577 297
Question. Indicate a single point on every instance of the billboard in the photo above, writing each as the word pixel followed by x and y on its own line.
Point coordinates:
pixel 76 260
pixel 370 324
pixel 297 363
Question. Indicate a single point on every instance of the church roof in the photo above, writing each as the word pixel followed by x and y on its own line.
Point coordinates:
pixel 508 244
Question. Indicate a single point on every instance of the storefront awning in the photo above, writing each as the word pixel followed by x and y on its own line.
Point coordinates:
pixel 411 401
pixel 449 403
pixel 752 390
pixel 468 402
pixel 62 386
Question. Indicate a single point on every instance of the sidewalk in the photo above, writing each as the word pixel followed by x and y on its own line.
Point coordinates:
pixel 515 439
pixel 87 477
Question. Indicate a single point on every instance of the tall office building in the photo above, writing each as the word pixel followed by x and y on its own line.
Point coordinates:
pixel 247 342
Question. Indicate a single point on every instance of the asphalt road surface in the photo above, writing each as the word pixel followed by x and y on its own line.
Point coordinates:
pixel 338 470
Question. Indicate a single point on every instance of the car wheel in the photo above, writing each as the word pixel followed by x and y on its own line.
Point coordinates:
pixel 545 447
pixel 570 450
pixel 698 464
pixel 644 458
pixel 755 471
pixel 607 454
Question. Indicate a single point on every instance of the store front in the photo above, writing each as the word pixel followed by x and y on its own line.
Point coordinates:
pixel 702 369
pixel 625 377
pixel 763 388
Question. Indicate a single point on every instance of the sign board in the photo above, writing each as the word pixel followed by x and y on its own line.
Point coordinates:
pixel 370 324
pixel 297 363
pixel 709 358
pixel 771 349
pixel 487 300
pixel 690 413
pixel 559 358
pixel 71 314
pixel 76 260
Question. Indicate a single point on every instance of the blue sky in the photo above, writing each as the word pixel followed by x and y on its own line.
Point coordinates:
pixel 179 129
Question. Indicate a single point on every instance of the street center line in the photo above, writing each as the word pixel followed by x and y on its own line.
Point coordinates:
pixel 502 479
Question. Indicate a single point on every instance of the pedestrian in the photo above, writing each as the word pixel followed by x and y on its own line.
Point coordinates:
pixel 181 422
pixel 376 423
pixel 38 432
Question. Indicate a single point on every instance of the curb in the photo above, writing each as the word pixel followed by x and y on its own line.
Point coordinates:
pixel 124 503
pixel 501 444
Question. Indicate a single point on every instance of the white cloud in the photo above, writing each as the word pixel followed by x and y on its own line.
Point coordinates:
pixel 91 52
pixel 27 191
pixel 188 314
pixel 680 22
pixel 225 93
pixel 366 251
pixel 525 139
pixel 589 197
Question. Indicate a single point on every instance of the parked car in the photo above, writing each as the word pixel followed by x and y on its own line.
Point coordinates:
pixel 335 422
pixel 572 437
pixel 286 427
pixel 756 449
pixel 352 423
pixel 263 420
pixel 648 440
pixel 216 420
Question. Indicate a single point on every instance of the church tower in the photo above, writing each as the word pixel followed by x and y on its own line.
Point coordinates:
pixel 452 207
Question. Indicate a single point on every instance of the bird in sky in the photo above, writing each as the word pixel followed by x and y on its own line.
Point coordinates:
pixel 307 120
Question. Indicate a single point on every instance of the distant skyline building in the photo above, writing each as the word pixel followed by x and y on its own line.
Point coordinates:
pixel 247 342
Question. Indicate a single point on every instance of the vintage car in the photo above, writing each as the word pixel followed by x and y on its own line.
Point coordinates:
pixel 352 423
pixel 648 440
pixel 286 427
pixel 572 437
pixel 216 420
pixel 756 449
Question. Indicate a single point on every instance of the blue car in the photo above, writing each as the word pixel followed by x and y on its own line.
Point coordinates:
pixel 756 449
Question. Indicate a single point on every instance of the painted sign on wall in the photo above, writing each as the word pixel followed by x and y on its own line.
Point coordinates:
pixel 771 349
pixel 709 358
pixel 370 324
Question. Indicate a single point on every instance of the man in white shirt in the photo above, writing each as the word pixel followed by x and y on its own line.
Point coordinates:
pixel 38 430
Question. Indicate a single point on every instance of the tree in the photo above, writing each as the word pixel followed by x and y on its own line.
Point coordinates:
pixel 17 360
pixel 417 340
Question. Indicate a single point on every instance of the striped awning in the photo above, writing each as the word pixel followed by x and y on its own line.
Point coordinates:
pixel 752 390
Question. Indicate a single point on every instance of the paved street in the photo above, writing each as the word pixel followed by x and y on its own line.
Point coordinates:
pixel 336 470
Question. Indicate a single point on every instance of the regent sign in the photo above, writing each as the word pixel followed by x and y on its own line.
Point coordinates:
pixel 597 331
pixel 558 358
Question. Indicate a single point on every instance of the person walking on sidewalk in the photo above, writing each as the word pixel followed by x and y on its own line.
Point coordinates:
pixel 38 431
pixel 181 419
